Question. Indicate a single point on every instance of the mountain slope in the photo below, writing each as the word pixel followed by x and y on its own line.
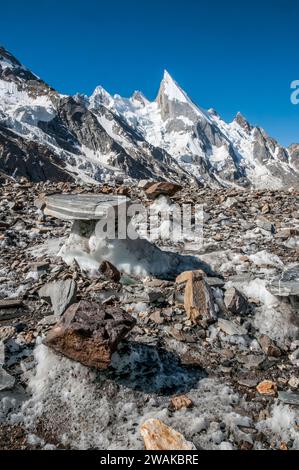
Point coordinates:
pixel 44 134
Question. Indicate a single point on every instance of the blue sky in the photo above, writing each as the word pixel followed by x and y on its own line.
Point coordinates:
pixel 233 56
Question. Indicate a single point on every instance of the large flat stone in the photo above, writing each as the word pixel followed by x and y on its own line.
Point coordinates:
pixel 6 380
pixel 10 303
pixel 83 206
pixel 230 328
pixel 290 398
pixel 287 284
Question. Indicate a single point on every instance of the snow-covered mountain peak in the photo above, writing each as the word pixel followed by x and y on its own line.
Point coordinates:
pixel 174 103
pixel 139 98
pixel 101 97
pixel 242 121
pixel 171 89
pixel 7 59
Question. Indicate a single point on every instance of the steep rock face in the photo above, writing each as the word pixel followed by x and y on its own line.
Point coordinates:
pixel 21 157
pixel 294 155
pixel 12 71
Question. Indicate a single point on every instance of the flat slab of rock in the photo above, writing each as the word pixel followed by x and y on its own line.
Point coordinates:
pixel 265 224
pixel 252 361
pixel 287 284
pixel 10 303
pixel 289 398
pixel 89 333
pixel 215 281
pixel 230 328
pixel 11 308
pixel 82 206
pixel 158 436
pixel 61 294
pixel 6 380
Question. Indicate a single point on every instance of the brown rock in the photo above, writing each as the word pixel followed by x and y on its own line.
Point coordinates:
pixel 269 347
pixel 198 297
pixel 283 446
pixel 166 188
pixel 156 317
pixel 89 333
pixel 235 302
pixel 110 271
pixel 189 276
pixel 40 202
pixel 182 401
pixel 158 436
pixel 6 332
pixel 122 190
pixel 267 387
pixel 265 209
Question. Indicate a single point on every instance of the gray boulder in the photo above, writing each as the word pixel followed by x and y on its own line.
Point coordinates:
pixel 61 294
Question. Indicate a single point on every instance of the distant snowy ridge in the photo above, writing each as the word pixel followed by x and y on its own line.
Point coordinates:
pixel 44 134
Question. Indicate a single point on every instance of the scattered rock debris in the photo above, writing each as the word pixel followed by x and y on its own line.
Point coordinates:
pixel 214 355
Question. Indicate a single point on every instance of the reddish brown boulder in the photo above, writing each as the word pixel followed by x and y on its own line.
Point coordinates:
pixel 110 271
pixel 89 333
pixel 165 187
pixel 269 346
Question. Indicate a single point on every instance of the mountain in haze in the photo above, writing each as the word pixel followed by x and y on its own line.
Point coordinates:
pixel 99 138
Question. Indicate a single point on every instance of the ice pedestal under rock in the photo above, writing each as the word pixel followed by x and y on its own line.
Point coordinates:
pixel 135 256
pixel 95 237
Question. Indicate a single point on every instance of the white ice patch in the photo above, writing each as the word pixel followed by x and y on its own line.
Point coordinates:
pixel 265 258
pixel 255 289
pixel 278 322
pixel 86 411
pixel 283 423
